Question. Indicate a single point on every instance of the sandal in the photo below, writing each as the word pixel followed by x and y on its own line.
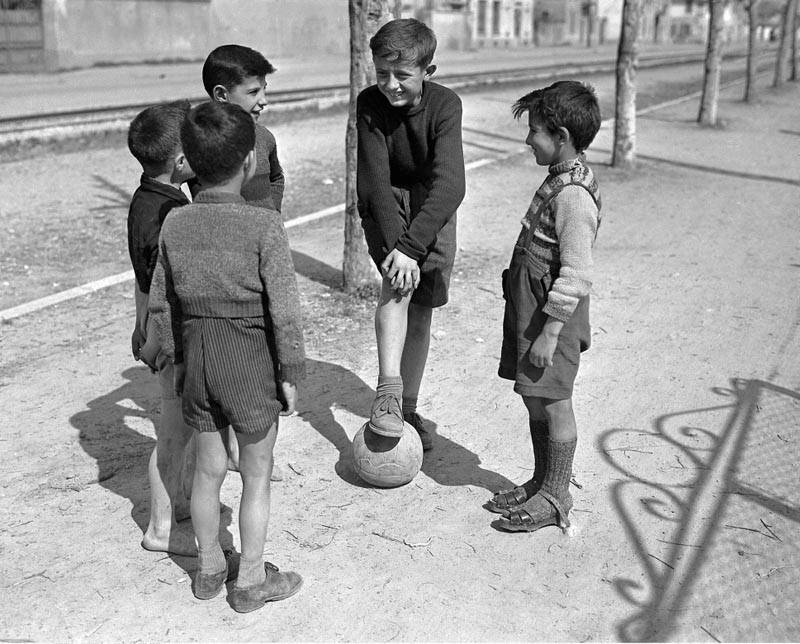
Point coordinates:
pixel 540 511
pixel 510 499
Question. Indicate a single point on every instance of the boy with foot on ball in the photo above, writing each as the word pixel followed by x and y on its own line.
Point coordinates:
pixel 546 291
pixel 410 182
pixel 225 298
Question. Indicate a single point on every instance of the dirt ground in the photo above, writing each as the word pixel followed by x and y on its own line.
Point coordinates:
pixel 688 408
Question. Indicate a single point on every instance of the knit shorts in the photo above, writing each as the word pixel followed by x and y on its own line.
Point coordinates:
pixel 526 284
pixel 230 375
pixel 437 265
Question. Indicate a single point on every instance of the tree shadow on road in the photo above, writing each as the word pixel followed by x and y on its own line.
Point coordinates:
pixel 122 453
pixel 330 386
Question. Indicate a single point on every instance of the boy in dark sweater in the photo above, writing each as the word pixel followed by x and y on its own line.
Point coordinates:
pixel 225 300
pixel 546 288
pixel 154 140
pixel 410 183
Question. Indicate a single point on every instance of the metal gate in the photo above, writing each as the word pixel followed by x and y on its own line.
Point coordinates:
pixel 21 36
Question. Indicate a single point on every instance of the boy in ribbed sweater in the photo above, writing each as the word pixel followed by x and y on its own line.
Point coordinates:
pixel 225 300
pixel 410 183
pixel 154 140
pixel 546 288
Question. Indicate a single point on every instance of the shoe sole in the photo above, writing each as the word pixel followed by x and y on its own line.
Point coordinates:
pixel 249 608
pixel 384 432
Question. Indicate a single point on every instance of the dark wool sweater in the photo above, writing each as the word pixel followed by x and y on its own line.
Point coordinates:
pixel 221 257
pixel 149 207
pixel 410 148
pixel 265 189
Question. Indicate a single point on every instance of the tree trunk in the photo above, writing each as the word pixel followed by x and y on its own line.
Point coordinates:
pixel 366 17
pixel 752 51
pixel 709 102
pixel 793 47
pixel 783 47
pixel 624 154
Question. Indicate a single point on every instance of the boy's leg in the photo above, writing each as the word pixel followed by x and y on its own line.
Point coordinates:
pixel 391 323
pixel 165 470
pixel 552 503
pixel 412 368
pixel 209 473
pixel 538 426
pixel 257 582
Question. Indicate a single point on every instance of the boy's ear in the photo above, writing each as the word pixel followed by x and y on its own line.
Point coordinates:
pixel 249 165
pixel 564 136
pixel 430 70
pixel 220 93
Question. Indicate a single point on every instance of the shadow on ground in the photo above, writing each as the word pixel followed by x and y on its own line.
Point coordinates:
pixel 709 495
pixel 106 434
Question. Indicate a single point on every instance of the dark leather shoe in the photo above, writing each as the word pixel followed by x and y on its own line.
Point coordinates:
pixel 277 586
pixel 425 428
pixel 209 586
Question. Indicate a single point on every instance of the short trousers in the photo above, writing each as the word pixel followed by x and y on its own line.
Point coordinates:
pixel 437 265
pixel 230 375
pixel 526 283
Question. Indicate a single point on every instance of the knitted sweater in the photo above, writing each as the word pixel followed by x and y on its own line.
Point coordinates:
pixel 568 208
pixel 408 148
pixel 221 257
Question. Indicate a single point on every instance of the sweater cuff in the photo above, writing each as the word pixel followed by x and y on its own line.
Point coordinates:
pixel 561 313
pixel 412 252
pixel 292 373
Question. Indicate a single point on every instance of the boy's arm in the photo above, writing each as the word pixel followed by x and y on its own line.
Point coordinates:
pixel 276 178
pixel 373 173
pixel 447 184
pixel 576 226
pixel 278 277
pixel 165 308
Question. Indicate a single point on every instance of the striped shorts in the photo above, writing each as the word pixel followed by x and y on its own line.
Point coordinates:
pixel 230 375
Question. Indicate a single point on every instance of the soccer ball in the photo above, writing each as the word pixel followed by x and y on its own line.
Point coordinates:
pixel 384 461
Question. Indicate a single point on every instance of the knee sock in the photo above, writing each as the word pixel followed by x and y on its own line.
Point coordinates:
pixel 251 573
pixel 390 385
pixel 560 455
pixel 409 404
pixel 211 560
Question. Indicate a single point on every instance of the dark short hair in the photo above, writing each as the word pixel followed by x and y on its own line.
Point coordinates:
pixel 216 138
pixel 406 40
pixel 229 65
pixel 154 135
pixel 568 104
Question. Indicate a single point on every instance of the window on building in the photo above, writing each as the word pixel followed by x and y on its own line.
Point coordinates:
pixel 517 22
pixel 482 17
pixel 496 18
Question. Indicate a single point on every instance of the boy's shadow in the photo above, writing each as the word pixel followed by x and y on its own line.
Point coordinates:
pixel 329 386
pixel 106 434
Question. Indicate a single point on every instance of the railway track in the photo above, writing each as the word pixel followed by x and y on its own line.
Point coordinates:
pixel 16 132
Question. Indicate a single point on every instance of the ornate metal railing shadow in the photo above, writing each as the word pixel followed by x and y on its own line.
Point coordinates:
pixel 749 456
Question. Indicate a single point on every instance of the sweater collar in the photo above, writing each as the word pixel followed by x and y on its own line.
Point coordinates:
pixel 218 196
pixel 565 166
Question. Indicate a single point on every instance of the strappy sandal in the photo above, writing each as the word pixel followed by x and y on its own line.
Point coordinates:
pixel 509 499
pixel 540 511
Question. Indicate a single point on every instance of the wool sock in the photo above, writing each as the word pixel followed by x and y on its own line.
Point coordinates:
pixel 251 573
pixel 390 385
pixel 211 560
pixel 409 404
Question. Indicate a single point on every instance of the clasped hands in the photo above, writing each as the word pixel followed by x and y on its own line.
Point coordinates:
pixel 402 272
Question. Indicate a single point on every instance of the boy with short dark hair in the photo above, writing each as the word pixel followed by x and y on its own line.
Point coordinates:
pixel 546 288
pixel 154 140
pixel 237 74
pixel 225 301
pixel 410 183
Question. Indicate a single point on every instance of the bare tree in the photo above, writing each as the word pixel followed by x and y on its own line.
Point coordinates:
pixel 787 24
pixel 709 101
pixel 366 17
pixel 752 51
pixel 624 154
pixel 793 48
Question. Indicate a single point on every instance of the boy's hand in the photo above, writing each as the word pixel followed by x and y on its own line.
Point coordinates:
pixel 178 377
pixel 544 346
pixel 137 340
pixel 402 271
pixel 289 391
